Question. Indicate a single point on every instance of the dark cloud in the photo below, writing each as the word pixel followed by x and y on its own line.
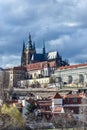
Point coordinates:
pixel 61 23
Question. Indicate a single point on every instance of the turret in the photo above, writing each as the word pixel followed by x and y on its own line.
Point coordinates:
pixel 28 52
pixel 23 54
pixel 30 42
pixel 44 50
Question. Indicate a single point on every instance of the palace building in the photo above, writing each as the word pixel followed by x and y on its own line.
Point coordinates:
pixel 39 66
pixel 35 67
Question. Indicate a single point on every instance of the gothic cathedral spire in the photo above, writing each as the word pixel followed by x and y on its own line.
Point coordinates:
pixel 27 52
pixel 30 42
pixel 44 50
pixel 23 53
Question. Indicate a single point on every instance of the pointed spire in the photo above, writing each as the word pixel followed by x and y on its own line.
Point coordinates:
pixel 22 56
pixel 23 46
pixel 30 41
pixel 44 50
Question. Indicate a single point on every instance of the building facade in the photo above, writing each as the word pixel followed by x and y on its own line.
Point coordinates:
pixel 72 75
pixel 8 78
pixel 35 67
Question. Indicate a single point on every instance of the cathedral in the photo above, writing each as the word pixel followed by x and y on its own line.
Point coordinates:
pixel 29 55
pixel 35 67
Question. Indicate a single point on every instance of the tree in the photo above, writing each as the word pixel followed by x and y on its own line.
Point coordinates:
pixel 15 117
pixel 64 120
pixel 30 108
pixel 4 121
pixel 83 113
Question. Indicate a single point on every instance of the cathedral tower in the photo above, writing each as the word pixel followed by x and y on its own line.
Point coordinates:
pixel 27 52
pixel 23 55
pixel 44 51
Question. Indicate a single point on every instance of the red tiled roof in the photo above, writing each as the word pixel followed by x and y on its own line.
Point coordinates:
pixel 71 66
pixel 44 102
pixel 34 66
pixel 58 109
pixel 40 65
pixel 81 95
pixel 19 68
pixel 57 95
pixel 52 64
pixel 13 101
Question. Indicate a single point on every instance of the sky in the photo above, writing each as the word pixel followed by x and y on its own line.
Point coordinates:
pixel 62 24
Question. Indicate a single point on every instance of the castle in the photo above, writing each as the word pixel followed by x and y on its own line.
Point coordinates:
pixel 35 67
pixel 29 55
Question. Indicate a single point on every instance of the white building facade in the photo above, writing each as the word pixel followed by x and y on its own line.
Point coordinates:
pixel 74 74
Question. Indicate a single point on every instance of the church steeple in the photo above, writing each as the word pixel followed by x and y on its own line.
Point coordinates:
pixel 30 42
pixel 28 51
pixel 23 54
pixel 44 50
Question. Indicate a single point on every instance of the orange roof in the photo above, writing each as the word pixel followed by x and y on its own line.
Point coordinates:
pixel 57 95
pixel 39 65
pixel 34 66
pixel 45 104
pixel 71 66
pixel 19 68
pixel 52 63
pixel 81 95
pixel 58 109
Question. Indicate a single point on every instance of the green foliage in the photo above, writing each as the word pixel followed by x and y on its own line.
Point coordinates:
pixel 30 108
pixel 16 119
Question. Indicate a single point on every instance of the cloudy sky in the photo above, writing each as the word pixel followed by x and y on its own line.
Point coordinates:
pixel 61 23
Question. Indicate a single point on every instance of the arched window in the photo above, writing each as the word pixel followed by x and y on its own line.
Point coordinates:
pixel 81 78
pixel 70 79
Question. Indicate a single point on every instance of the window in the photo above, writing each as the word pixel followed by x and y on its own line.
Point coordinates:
pixel 74 100
pixel 11 77
pixel 67 100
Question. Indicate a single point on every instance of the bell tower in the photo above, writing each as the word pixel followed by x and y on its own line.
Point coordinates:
pixel 31 49
pixel 23 55
pixel 27 52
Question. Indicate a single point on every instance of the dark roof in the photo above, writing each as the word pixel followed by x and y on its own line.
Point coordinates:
pixel 38 57
pixel 1 68
pixel 57 95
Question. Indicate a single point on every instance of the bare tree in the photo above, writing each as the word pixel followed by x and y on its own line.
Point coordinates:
pixel 83 113
pixel 64 120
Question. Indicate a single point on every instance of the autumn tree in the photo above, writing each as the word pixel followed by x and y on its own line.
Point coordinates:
pixel 13 118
